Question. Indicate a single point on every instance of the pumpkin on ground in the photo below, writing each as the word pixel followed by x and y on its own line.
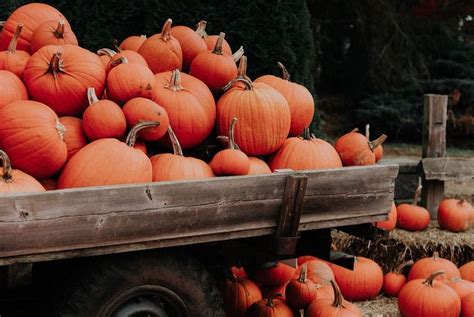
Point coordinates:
pixel 428 297
pixel 258 167
pixel 12 59
pixel 395 280
pixel 455 215
pixel 171 167
pixel 462 287
pixel 191 44
pixel 467 271
pixel 211 40
pixel 239 294
pixel 300 292
pixel 319 272
pixel 378 151
pixel 355 150
pixel 270 307
pixel 467 307
pixel 391 222
pixel 33 137
pixel 299 99
pixel 15 181
pixel 54 32
pixel 424 267
pixel 133 43
pixel 13 88
pixel 272 274
pixel 108 162
pixel 142 109
pixel 74 137
pixel 412 217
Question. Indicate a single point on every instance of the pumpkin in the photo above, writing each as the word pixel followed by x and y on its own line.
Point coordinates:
pixel 274 290
pixel 13 88
pixel 412 217
pixel 214 68
pixel 133 43
pixel 53 32
pixel 326 307
pixel 462 287
pixel 190 105
pixel 108 162
pixel 13 60
pixel 355 150
pixel 425 266
pixel 467 271
pixel 270 307
pixel 49 183
pixel 467 306
pixel 33 137
pixel 272 273
pixel 428 297
pixel 238 271
pixel 128 80
pixel 60 75
pixel 142 109
pixel 455 215
pixel 15 181
pixel 31 15
pixel 378 151
pixel 391 222
pixel 103 118
pixel 258 167
pixel 211 40
pixel 191 44
pixel 305 153
pixel 300 292
pixel 362 283
pixel 74 137
pixel 171 167
pixel 395 280
pixel 132 57
pixel 231 161
pixel 319 272
pixel 239 294
pixel 264 117
pixel 162 51
pixel 299 99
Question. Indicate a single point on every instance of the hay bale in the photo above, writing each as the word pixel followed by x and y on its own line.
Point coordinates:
pixel 380 307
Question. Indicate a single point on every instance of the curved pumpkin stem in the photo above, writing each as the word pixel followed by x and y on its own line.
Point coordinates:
pixel 106 51
pixel 166 30
pixel 232 144
pixel 201 28
pixel 303 274
pixel 431 278
pixel 354 130
pixel 373 144
pixel 285 74
pixel 238 54
pixel 402 265
pixel 132 135
pixel 247 82
pixel 91 96
pixel 118 61
pixel 55 65
pixel 14 40
pixel 417 192
pixel 175 81
pixel 338 299
pixel 271 298
pixel 7 167
pixel 177 150
pixel 59 32
pixel 218 47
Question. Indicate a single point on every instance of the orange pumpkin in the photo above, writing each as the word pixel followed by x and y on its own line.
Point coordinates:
pixel 13 60
pixel 191 44
pixel 272 274
pixel 189 104
pixel 462 287
pixel 455 215
pixel 424 267
pixel 467 307
pixel 271 307
pixel 53 32
pixel 300 292
pixel 413 217
pixel 214 67
pixel 133 43
pixel 378 151
pixel 74 137
pixel 211 40
pixel 299 99
pixel 355 150
pixel 12 88
pixel 395 280
pixel 60 75
pixel 305 153
pixel 131 56
pixel 231 161
pixel 428 297
pixel 391 222
pixel 258 167
pixel 142 109
pixel 162 51
pixel 15 181
pixel 33 137
pixel 319 272
pixel 324 291
pixel 239 294
pixel 467 271
pixel 103 118
pixel 118 163
pixel 171 167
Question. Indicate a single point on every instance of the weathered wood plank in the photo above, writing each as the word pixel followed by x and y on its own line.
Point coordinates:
pixel 448 169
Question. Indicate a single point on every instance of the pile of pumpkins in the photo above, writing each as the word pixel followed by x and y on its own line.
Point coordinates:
pixel 72 118
pixel 433 287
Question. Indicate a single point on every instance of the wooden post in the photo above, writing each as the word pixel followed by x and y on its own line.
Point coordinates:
pixel 434 145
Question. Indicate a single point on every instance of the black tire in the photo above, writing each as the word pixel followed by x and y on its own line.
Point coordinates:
pixel 177 284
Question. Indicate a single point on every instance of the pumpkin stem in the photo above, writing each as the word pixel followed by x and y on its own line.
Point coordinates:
pixel 271 298
pixel 435 255
pixel 175 81
pixel 106 51
pixel 201 28
pixel 461 202
pixel 116 45
pixel 402 265
pixel 306 134
pixel 238 54
pixel 166 30
pixel 247 82
pixel 177 150
pixel 218 48
pixel 431 278
pixel 7 167
pixel 225 139
pixel 367 131
pixel 338 299
pixel 118 61
pixel 91 96
pixel 417 192
pixel 59 32
pixel 303 274
pixel 14 40
pixel 61 129
pixel 232 144
pixel 55 65
pixel 285 75
pixel 132 135
pixel 242 69
pixel 373 144
pixel 354 130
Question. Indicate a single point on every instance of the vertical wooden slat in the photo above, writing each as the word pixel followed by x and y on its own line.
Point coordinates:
pixel 434 145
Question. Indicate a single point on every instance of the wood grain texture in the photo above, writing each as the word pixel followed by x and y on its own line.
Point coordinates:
pixel 448 168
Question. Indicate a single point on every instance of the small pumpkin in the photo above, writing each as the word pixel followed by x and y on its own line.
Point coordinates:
pixel 455 215
pixel 133 43
pixel 239 294
pixel 142 109
pixel 12 59
pixel 15 181
pixel 258 167
pixel 391 222
pixel 272 273
pixel 74 137
pixel 132 56
pixel 319 272
pixel 171 167
pixel 462 287
pixel 271 307
pixel 394 281
pixel 103 118
pixel 412 217
pixel 231 161
pixel 425 266
pixel 300 292
pixel 467 306
pixel 211 40
pixel 54 32
pixel 355 150
pixel 428 297
pixel 467 271
pixel 191 44
pixel 378 151
pixel 162 51
pixel 13 88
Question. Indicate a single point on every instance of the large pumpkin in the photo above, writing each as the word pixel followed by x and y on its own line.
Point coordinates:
pixel 33 137
pixel 53 32
pixel 299 99
pixel 60 75
pixel 12 59
pixel 270 307
pixel 15 181
pixel 305 153
pixel 108 162
pixel 162 51
pixel 424 267
pixel 394 281
pixel 391 222
pixel 455 215
pixel 428 297
pixel 13 88
pixel 189 104
pixel 74 137
pixel 356 150
pixel 142 109
pixel 467 271
pixel 239 294
pixel 191 44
